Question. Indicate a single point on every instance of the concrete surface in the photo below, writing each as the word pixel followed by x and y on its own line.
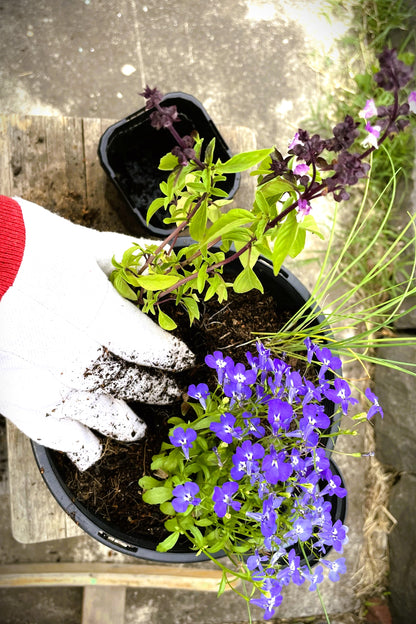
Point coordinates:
pixel 250 62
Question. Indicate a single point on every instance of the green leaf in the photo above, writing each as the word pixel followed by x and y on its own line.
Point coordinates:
pixel 148 482
pixel 165 321
pixel 157 495
pixel 203 522
pixel 310 225
pixel 223 584
pixel 168 543
pixel 243 161
pixel 157 281
pixel 167 509
pixel 199 540
pixel 247 280
pixel 286 235
pixel 277 186
pixel 201 279
pixel 123 288
pixel 198 222
pixel 154 207
pixel 298 244
pixel 168 162
pixel 192 307
pixel 231 220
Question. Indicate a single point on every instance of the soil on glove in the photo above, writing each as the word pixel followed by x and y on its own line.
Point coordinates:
pixel 110 488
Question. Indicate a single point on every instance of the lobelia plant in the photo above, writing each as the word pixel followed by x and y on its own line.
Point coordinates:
pixel 247 469
pixel 250 476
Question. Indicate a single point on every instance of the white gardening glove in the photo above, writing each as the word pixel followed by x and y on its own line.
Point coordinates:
pixel 72 350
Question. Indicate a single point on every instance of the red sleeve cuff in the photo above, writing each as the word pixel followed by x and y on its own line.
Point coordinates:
pixel 12 241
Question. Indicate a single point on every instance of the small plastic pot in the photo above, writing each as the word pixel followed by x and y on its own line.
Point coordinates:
pixel 130 152
pixel 289 295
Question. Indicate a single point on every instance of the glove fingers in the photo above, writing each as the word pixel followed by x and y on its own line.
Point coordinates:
pixel 111 417
pixel 64 434
pixel 134 337
pixel 123 380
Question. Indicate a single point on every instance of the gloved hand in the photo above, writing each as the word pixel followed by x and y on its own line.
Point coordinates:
pixel 72 350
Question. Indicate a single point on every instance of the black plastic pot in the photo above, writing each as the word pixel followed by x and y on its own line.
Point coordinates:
pixel 130 152
pixel 289 295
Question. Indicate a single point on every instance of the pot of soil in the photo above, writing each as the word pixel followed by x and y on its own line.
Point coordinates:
pixel 106 501
pixel 130 152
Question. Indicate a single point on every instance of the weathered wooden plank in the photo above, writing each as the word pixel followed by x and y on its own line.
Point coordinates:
pixel 102 574
pixel 102 199
pixel 5 169
pixel 35 515
pixel 103 605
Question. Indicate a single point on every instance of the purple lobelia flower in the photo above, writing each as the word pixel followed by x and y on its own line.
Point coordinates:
pixel 336 568
pixel 219 363
pixel 245 459
pixel 315 577
pixel 275 467
pixel 376 407
pixel 199 392
pixel 185 495
pixel 341 393
pixel 271 599
pixel 223 498
pixel 334 535
pixel 280 415
pixel 225 429
pixel 183 438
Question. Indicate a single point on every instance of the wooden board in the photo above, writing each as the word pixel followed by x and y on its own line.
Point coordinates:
pixel 105 574
pixel 53 161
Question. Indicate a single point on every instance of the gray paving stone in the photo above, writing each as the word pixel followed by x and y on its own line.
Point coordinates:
pixel 402 547
pixel 396 434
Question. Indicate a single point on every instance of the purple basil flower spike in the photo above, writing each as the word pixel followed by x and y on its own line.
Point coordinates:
pixel 223 498
pixel 199 392
pixel 185 496
pixel 183 438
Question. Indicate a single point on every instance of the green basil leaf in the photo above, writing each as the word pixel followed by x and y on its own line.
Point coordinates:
pixel 165 321
pixel 154 207
pixel 243 161
pixel 247 280
pixel 156 281
pixel 123 288
pixel 168 162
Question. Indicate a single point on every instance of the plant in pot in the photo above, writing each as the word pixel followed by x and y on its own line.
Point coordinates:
pixel 245 467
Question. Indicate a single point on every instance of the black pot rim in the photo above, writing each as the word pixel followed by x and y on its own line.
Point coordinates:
pixel 135 120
